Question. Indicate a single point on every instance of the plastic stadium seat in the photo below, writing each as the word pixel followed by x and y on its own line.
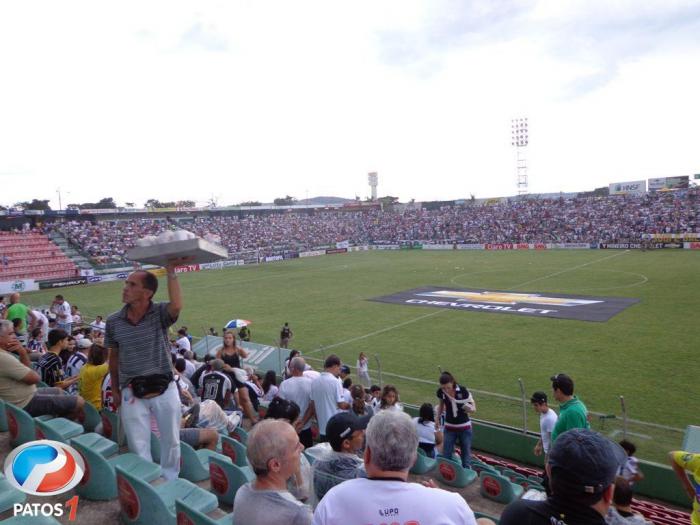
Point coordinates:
pixel 92 417
pixel 58 429
pixel 111 427
pixel 240 434
pixel 226 478
pixel 478 515
pixel 186 515
pixel 97 443
pixel 3 417
pixel 100 481
pixel 9 495
pixel 194 464
pixel 31 520
pixel 235 450
pixel 499 488
pixel 423 463
pixel 22 426
pixel 146 504
pixel 452 473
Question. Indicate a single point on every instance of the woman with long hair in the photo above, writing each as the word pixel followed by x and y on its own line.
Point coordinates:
pixel 359 407
pixel 363 369
pixel 456 403
pixel 231 354
pixel 269 386
pixel 390 399
pixel 428 436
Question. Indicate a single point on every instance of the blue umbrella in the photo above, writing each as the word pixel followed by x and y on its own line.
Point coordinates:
pixel 236 323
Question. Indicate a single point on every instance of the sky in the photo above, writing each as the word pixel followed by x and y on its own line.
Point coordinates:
pixel 237 101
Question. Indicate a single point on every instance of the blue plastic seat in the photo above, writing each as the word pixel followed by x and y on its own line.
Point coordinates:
pixel 226 478
pixel 235 450
pixel 451 472
pixel 142 503
pixel 97 443
pixel 92 417
pixel 240 434
pixel 499 488
pixel 186 514
pixel 23 427
pixel 111 427
pixel 3 417
pixel 100 481
pixel 194 464
pixel 57 429
pixel 423 463
pixel 9 495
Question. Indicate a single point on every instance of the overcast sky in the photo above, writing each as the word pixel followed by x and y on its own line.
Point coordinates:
pixel 255 100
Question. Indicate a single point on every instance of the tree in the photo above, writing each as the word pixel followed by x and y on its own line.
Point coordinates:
pixel 152 203
pixel 284 201
pixel 35 204
pixel 129 204
pixel 250 203
pixel 103 204
pixel 184 204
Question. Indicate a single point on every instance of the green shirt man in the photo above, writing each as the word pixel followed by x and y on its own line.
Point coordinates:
pixel 572 411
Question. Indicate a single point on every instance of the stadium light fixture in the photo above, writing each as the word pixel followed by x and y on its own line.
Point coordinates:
pixel 519 139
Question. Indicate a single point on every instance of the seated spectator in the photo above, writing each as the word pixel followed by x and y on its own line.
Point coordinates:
pixel 631 471
pixel 216 385
pixel 98 326
pixel 92 374
pixel 582 466
pixel 269 386
pixel 76 361
pixel 621 512
pixel 191 364
pixel 35 345
pixel 18 382
pixel 51 365
pixel 376 392
pixel 359 407
pixel 385 495
pixel 390 399
pixel 428 435
pixel 686 465
pixel 273 454
pixel 346 434
pixel 188 394
pixel 183 342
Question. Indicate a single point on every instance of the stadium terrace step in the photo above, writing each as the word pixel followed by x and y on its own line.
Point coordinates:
pixel 186 515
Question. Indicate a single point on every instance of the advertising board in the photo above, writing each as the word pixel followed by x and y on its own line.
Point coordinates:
pixel 635 187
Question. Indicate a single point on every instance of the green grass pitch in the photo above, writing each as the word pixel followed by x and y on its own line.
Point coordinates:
pixel 648 353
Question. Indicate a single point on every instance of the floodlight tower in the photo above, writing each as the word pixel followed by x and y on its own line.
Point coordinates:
pixel 519 139
pixel 372 179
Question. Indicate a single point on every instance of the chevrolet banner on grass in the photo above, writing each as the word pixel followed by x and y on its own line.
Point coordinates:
pixel 560 306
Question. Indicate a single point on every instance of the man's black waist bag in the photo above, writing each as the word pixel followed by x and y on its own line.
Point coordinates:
pixel 150 386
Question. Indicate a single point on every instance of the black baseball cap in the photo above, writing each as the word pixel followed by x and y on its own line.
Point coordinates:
pixel 538 397
pixel 344 369
pixel 585 462
pixel 342 425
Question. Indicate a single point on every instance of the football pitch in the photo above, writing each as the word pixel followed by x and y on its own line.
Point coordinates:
pixel 646 353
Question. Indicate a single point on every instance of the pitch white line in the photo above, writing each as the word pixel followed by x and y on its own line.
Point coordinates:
pixel 569 269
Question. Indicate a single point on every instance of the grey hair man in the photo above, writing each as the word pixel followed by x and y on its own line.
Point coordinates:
pixel 273 452
pixel 385 494
pixel 297 388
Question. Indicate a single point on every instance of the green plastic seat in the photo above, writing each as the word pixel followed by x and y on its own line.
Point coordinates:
pixel 452 473
pixel 478 515
pixel 499 488
pixel 31 520
pixel 9 495
pixel 97 443
pixel 92 417
pixel 240 434
pixel 187 515
pixel 100 481
pixel 226 478
pixel 23 427
pixel 235 450
pixel 57 429
pixel 194 464
pixel 3 417
pixel 111 427
pixel 142 503
pixel 423 463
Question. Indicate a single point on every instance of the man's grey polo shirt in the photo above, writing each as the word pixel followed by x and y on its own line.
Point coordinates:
pixel 144 348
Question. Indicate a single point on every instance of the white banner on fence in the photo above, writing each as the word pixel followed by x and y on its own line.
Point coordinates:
pixel 570 246
pixel 438 246
pixel 358 248
pixel 636 187
pixel 342 244
pixel 386 247
pixel 312 253
pixel 469 247
pixel 19 285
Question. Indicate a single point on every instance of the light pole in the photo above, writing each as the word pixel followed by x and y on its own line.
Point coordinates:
pixel 58 190
pixel 519 140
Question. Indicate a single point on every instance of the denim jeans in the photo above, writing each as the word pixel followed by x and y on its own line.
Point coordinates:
pixel 464 438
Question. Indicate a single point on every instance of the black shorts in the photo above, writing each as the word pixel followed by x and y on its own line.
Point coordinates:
pixel 51 402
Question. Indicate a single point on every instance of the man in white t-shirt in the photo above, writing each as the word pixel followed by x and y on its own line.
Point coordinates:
pixel 64 317
pixel 98 325
pixel 298 389
pixel 41 321
pixel 386 496
pixel 183 342
pixel 327 394
pixel 548 418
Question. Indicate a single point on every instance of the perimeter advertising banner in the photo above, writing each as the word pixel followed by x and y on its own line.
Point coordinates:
pixel 669 183
pixel 531 304
pixel 635 187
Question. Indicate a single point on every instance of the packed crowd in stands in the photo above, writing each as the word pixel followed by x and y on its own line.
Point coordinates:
pixel 576 220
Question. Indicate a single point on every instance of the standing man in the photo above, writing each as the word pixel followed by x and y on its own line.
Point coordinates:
pixel 572 411
pixel 64 314
pixel 548 418
pixel 140 366
pixel 298 389
pixel 21 311
pixel 286 335
pixel 327 394
pixel 244 334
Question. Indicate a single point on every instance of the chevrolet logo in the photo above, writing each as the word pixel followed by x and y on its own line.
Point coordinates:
pixel 507 298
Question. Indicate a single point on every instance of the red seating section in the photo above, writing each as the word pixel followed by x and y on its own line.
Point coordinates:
pixel 32 256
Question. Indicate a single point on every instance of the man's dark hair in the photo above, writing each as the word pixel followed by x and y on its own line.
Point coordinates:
pixel 2 297
pixel 36 333
pixel 331 361
pixel 375 388
pixel 563 383
pixel 629 447
pixel 623 492
pixel 59 297
pixel 282 409
pixel 347 382
pixel 149 281
pixel 182 331
pixel 56 336
pixel 180 365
